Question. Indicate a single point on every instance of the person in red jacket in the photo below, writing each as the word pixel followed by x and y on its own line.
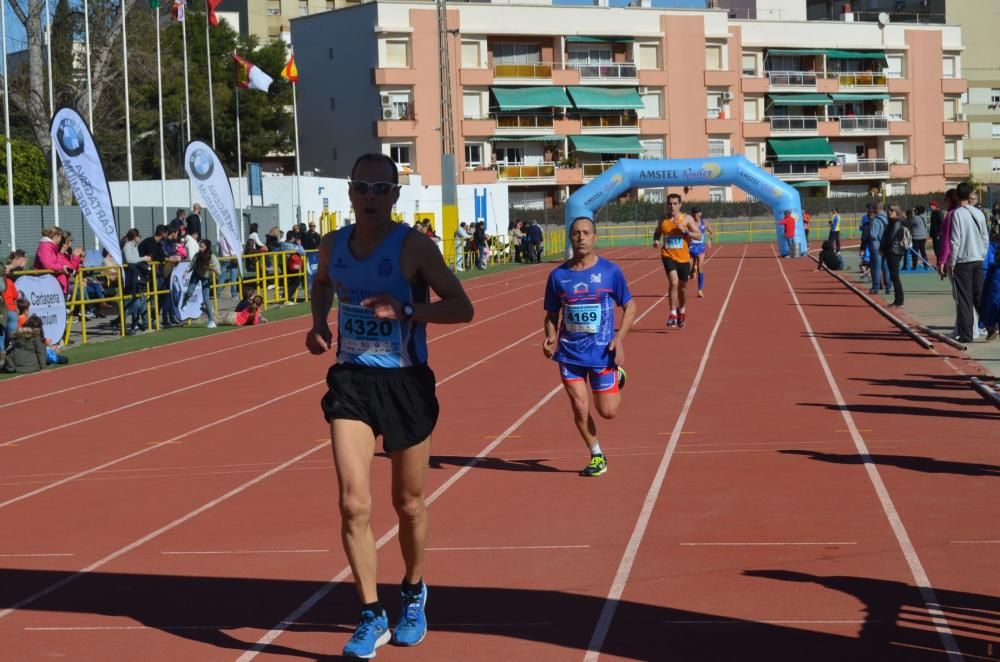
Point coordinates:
pixel 788 223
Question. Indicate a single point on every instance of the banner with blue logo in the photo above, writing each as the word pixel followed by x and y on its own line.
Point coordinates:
pixel 83 169
pixel 206 172
pixel 312 265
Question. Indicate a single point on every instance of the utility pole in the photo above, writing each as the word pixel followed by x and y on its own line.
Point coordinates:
pixel 449 198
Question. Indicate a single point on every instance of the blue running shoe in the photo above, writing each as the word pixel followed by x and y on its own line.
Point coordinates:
pixel 412 626
pixel 372 632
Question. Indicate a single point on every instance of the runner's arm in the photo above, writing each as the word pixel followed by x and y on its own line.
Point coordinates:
pixel 454 306
pixel 551 327
pixel 319 339
pixel 628 318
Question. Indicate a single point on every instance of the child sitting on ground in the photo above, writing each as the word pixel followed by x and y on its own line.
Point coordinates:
pixel 247 311
pixel 22 312
pixel 27 349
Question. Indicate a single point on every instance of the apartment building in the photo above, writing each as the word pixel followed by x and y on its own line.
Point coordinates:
pixel 270 19
pixel 547 97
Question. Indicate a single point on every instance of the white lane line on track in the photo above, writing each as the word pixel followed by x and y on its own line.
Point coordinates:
pixel 504 548
pixel 31 556
pixel 302 609
pixel 888 507
pixel 245 551
pixel 154 446
pixel 762 544
pixel 774 621
pixel 137 403
pixel 160 531
pixel 310 602
pixel 974 542
pixel 628 559
pixel 243 487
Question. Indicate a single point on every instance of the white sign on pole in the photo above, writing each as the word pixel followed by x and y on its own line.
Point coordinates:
pixel 187 308
pixel 47 300
pixel 82 167
pixel 209 177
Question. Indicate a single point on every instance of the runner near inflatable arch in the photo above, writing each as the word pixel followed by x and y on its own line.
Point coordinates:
pixel 650 173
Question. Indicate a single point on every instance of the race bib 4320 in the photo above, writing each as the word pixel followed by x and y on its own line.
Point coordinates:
pixel 362 333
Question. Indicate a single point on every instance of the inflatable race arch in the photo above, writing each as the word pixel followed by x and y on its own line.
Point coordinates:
pixel 650 173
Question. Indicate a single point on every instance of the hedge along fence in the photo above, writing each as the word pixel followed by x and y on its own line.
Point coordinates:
pixel 638 211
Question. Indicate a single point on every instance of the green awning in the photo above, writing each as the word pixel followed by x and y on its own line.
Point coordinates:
pixel 599 40
pixel 795 51
pixel 800 99
pixel 526 98
pixel 551 138
pixel 813 184
pixel 835 54
pixel 606 144
pixel 859 97
pixel 606 98
pixel 801 149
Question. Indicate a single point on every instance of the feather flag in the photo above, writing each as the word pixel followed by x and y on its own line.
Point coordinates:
pixel 249 76
pixel 290 72
pixel 177 11
pixel 212 6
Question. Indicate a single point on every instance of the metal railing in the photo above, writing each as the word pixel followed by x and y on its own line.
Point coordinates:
pixel 792 78
pixel 794 122
pixel 866 167
pixel 528 121
pixel 794 169
pixel 530 71
pixel 543 170
pixel 464 255
pixel 595 169
pixel 859 78
pixel 611 70
pixel 609 121
pixel 863 123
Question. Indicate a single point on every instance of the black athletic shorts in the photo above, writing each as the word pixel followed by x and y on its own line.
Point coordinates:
pixel 683 269
pixel 397 403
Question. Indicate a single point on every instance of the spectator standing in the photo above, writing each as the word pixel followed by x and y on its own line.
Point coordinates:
pixel 535 240
pixel 311 238
pixel 479 239
pixel 294 265
pixel 148 246
pixel 179 221
pixel 990 311
pixel 834 236
pixel 920 234
pixel 193 221
pixel 937 218
pixel 787 224
pixel 168 257
pixel 230 267
pixel 462 237
pixel 894 243
pixel 880 275
pixel 517 239
pixel 203 266
pixel 47 256
pixel 968 243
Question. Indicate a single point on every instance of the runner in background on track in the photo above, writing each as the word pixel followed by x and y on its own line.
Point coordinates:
pixel 382 273
pixel 580 299
pixel 697 248
pixel 676 229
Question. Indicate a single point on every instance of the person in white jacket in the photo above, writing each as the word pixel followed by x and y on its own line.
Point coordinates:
pixel 969 240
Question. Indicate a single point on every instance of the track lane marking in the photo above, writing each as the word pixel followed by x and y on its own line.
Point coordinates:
pixel 916 568
pixel 631 550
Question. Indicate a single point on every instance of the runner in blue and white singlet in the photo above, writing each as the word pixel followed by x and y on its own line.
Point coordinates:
pixel 697 248
pixel 580 300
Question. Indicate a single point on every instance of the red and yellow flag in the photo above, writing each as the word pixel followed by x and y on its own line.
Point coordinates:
pixel 290 72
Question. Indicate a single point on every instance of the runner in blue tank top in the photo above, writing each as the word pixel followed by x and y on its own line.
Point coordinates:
pixel 698 248
pixel 580 300
pixel 381 385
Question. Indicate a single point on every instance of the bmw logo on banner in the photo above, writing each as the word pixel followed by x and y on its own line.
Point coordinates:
pixel 81 163
pixel 200 164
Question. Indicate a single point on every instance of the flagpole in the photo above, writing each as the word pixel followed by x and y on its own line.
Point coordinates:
pixel 86 50
pixel 128 120
pixel 6 131
pixel 239 160
pixel 187 92
pixel 159 88
pixel 52 112
pixel 208 55
pixel 298 167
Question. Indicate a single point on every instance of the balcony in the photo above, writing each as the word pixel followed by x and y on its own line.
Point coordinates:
pixel 480 77
pixel 866 168
pixel 864 124
pixel 720 78
pixel 401 128
pixel 795 170
pixel 795 79
pixel 404 76
pixel 609 122
pixel 901 170
pixel 479 176
pixel 954 85
pixel 536 71
pixel 756 129
pixel 754 85
pixel 606 71
pixel 524 122
pixel 956 169
pixel 956 128
pixel 859 79
pixel 479 126
pixel 794 123
pixel 569 176
pixel 591 170
pixel 526 172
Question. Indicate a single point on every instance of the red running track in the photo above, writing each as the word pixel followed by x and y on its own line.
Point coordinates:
pixel 790 479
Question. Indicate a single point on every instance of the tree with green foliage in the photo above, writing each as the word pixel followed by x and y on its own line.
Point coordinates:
pixel 31 180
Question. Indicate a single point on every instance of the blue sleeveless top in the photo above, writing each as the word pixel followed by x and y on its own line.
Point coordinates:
pixel 362 339
pixel 702 240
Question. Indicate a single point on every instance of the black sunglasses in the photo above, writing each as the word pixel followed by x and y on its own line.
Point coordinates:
pixel 379 188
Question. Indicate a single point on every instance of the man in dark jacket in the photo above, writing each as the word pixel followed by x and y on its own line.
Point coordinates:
pixel 535 239
pixel 194 221
pixel 937 218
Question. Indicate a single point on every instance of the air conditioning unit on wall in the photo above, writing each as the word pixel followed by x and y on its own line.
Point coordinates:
pixel 727 96
pixel 389 112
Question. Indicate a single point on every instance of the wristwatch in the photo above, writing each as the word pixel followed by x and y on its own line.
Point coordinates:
pixel 407 312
